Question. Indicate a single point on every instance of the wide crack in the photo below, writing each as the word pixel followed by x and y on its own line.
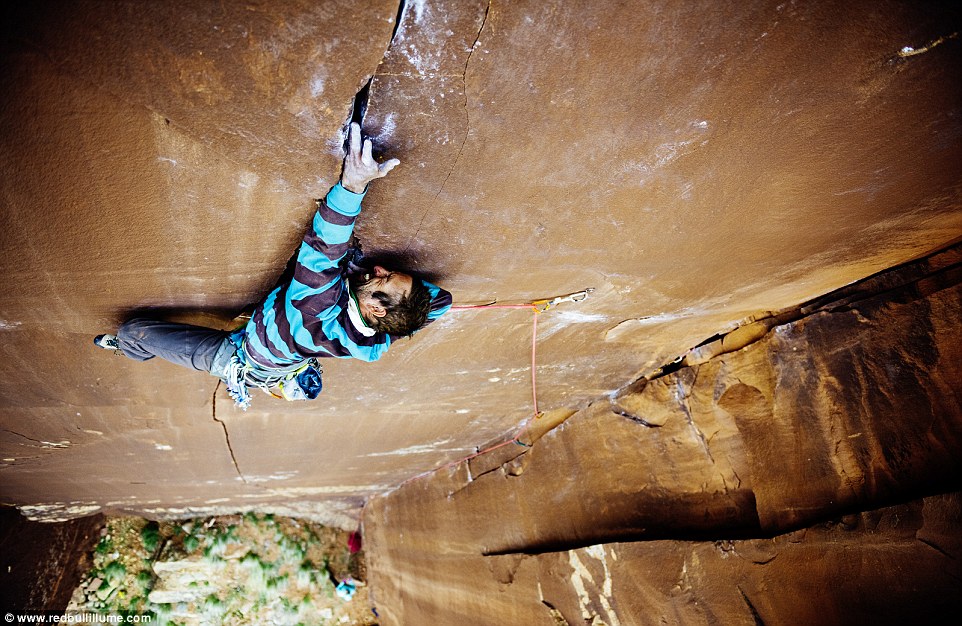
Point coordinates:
pixel 359 107
pixel 401 10
pixel 361 98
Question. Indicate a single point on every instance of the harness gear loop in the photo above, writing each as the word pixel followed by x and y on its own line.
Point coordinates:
pixel 236 379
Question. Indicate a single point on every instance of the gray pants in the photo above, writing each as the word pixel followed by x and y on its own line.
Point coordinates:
pixel 196 347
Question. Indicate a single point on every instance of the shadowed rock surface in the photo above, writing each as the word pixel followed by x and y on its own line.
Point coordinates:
pixel 890 566
pixel 41 564
pixel 793 445
pixel 706 167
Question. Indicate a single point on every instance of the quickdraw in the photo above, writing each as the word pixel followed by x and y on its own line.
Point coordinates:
pixel 578 296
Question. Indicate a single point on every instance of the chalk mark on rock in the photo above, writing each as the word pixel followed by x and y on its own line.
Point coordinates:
pixel 467 123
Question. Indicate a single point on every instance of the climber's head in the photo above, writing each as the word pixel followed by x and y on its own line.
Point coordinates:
pixel 392 302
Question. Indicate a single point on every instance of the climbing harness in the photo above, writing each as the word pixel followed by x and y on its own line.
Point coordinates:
pixel 236 379
pixel 300 382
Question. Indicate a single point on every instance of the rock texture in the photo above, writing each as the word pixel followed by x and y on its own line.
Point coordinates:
pixel 705 166
pixel 740 483
pixel 699 164
pixel 41 564
pixel 889 566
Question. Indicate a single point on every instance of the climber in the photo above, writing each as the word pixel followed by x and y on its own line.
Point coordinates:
pixel 332 306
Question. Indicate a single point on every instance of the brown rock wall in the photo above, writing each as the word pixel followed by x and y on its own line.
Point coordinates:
pixel 848 409
pixel 880 566
pixel 699 164
pixel 41 564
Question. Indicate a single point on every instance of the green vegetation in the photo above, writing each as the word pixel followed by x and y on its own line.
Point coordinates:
pixel 250 569
pixel 150 535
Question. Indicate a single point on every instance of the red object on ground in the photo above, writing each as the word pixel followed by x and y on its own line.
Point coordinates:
pixel 354 542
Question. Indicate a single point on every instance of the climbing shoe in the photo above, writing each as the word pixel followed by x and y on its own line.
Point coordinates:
pixel 107 342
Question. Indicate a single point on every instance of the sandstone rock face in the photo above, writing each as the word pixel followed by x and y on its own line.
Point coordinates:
pixel 699 164
pixel 41 564
pixel 790 447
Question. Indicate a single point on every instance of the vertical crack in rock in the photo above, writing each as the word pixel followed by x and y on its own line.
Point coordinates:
pixel 467 121
pixel 361 98
pixel 359 107
pixel 401 10
pixel 226 434
pixel 464 89
pixel 751 607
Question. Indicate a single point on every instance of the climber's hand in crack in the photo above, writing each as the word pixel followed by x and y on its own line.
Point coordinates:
pixel 360 168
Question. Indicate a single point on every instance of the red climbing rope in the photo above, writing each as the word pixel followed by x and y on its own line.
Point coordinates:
pixel 534 361
pixel 534 342
pixel 462 307
pixel 537 307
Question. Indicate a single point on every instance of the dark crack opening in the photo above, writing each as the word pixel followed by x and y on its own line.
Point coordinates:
pixel 359 108
pixel 401 7
pixel 226 434
pixel 361 98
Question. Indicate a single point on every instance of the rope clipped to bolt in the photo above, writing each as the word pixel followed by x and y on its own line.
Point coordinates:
pixel 537 307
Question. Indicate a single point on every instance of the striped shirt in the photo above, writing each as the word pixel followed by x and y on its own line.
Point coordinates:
pixel 308 316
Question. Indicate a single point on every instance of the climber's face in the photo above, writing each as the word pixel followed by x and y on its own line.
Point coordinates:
pixel 380 289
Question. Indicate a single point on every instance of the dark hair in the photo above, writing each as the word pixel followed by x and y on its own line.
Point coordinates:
pixel 406 315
